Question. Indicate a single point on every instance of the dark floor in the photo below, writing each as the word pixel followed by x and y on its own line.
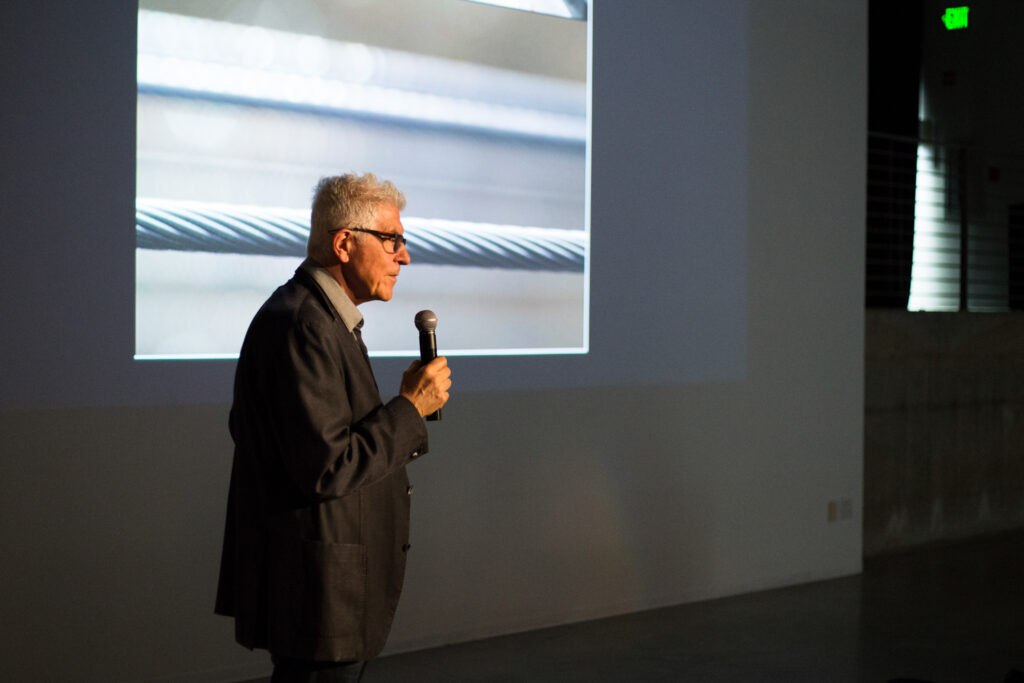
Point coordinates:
pixel 947 614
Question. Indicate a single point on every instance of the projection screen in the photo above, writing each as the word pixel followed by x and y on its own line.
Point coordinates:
pixel 479 114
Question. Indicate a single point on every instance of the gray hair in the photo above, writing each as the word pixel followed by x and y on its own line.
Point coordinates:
pixel 345 201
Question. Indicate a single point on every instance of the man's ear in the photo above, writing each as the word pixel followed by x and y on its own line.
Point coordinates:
pixel 341 243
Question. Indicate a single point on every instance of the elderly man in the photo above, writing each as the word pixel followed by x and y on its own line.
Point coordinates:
pixel 318 508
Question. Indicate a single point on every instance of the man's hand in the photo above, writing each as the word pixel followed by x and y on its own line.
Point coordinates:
pixel 427 385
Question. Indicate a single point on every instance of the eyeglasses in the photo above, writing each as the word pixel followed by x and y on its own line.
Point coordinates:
pixel 391 241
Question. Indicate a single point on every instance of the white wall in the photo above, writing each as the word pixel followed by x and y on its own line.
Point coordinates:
pixel 536 507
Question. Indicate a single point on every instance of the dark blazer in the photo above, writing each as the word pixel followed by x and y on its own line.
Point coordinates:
pixel 318 509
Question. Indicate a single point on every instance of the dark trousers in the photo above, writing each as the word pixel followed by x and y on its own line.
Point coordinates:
pixel 288 670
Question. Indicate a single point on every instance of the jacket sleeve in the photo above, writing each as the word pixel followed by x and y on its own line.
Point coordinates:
pixel 332 431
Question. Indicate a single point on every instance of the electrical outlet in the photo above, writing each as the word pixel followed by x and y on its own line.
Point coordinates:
pixel 840 510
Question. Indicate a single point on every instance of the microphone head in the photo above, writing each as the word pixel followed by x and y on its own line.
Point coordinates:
pixel 426 321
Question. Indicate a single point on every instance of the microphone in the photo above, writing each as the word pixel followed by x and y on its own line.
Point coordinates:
pixel 426 323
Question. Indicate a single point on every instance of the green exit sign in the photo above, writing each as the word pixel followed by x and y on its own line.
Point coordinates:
pixel 955 18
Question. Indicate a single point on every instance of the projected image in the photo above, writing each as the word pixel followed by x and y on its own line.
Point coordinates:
pixel 478 113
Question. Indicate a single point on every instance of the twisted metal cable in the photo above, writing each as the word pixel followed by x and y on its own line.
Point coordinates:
pixel 193 226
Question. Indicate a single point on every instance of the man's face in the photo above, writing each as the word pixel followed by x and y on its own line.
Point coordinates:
pixel 371 272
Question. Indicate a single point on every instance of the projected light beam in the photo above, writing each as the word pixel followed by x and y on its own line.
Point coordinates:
pixel 194 226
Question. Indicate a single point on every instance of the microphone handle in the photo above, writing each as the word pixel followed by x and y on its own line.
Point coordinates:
pixel 428 352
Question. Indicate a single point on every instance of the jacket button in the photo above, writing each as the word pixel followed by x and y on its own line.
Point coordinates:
pixel 408 491
pixel 415 454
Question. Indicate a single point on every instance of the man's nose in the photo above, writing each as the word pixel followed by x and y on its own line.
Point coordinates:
pixel 402 256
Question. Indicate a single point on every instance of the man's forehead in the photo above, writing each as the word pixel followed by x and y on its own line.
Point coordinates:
pixel 388 219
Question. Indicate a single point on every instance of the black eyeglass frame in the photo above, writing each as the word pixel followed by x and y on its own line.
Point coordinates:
pixel 397 241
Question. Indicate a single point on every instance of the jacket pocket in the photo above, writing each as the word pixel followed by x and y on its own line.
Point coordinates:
pixel 317 589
